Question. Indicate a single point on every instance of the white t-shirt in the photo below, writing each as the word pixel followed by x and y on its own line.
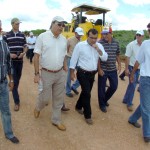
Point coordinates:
pixel 143 58
pixel 31 40
pixel 51 49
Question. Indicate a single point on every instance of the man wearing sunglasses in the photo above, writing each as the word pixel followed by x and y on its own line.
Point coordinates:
pixel 51 48
pixel 143 110
pixel 132 50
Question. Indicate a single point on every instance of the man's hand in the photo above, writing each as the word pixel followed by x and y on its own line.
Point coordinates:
pixel 100 72
pixel 131 77
pixel 119 69
pixel 127 72
pixel 95 46
pixel 72 76
pixel 21 55
pixel 11 85
pixel 13 56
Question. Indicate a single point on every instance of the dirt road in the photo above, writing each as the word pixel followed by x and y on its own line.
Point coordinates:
pixel 110 130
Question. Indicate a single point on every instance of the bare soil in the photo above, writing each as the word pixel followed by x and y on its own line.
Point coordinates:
pixel 110 130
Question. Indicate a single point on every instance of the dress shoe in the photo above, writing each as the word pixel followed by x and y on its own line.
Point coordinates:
pixel 16 107
pixel 147 139
pixel 70 95
pixel 75 91
pixel 107 104
pixel 65 108
pixel 36 113
pixel 80 111
pixel 89 121
pixel 60 126
pixel 103 109
pixel 13 140
pixel 130 108
pixel 122 78
pixel 135 124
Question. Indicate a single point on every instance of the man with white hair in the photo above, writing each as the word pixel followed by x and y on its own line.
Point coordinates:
pixel 51 48
pixel 132 50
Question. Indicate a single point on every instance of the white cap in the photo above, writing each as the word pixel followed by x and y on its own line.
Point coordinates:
pixel 31 33
pixel 79 31
pixel 141 32
pixel 58 18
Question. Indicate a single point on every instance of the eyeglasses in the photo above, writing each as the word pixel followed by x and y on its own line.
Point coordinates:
pixel 93 38
pixel 61 24
pixel 138 34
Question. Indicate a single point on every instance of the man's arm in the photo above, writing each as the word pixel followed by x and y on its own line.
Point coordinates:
pixel 119 63
pixel 36 68
pixel 65 67
pixel 136 65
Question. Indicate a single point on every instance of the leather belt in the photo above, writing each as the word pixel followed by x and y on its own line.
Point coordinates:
pixel 52 71
pixel 85 71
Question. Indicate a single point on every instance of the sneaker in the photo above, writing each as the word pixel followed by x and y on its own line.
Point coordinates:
pixel 89 121
pixel 75 91
pixel 70 95
pixel 80 111
pixel 13 140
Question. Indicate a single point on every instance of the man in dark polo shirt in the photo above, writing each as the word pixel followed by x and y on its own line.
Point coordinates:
pixel 109 69
pixel 18 47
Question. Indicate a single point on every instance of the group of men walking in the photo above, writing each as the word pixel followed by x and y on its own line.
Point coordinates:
pixel 85 58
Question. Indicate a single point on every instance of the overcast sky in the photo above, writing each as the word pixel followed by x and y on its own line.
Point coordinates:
pixel 37 14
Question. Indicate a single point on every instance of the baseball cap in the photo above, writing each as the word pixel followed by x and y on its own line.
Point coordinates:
pixel 58 18
pixel 141 32
pixel 15 20
pixel 106 30
pixel 31 33
pixel 79 31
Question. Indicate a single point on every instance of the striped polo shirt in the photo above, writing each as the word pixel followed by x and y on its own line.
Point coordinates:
pixel 112 49
pixel 5 61
pixel 16 43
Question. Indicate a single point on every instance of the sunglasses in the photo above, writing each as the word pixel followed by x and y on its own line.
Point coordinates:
pixel 138 34
pixel 61 24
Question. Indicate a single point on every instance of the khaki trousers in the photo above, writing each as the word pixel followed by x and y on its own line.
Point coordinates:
pixel 52 87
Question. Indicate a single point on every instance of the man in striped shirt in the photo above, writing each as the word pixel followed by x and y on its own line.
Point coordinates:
pixel 18 47
pixel 109 69
pixel 6 68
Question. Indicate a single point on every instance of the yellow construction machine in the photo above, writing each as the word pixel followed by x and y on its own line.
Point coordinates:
pixel 78 20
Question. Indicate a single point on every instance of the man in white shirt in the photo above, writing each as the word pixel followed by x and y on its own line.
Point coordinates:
pixel 85 56
pixel 51 48
pixel 131 52
pixel 143 110
pixel 31 44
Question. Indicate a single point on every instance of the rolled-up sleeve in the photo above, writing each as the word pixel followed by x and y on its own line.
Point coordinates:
pixel 38 45
pixel 104 56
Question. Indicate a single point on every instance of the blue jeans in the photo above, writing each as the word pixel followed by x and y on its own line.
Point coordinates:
pixel 103 94
pixel 144 107
pixel 128 97
pixel 75 85
pixel 4 108
pixel 17 66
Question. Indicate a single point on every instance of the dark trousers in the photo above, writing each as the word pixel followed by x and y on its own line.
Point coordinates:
pixel 31 54
pixel 122 75
pixel 86 80
pixel 17 68
pixel 103 94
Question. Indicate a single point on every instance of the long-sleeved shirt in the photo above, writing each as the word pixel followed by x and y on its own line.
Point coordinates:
pixel 16 43
pixel 86 57
pixel 5 61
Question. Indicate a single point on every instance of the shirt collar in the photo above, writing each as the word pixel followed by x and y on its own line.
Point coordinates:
pixel 51 33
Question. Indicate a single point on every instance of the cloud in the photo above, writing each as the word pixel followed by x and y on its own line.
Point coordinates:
pixel 137 2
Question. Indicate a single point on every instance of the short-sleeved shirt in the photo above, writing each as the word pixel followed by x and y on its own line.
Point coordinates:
pixel 71 43
pixel 112 49
pixel 143 57
pixel 132 50
pixel 51 49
